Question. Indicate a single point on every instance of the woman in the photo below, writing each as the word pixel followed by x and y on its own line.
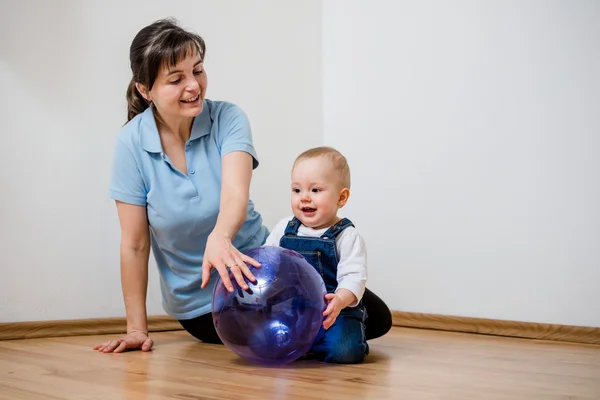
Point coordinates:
pixel 180 178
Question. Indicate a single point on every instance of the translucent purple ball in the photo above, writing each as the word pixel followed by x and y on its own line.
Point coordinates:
pixel 276 320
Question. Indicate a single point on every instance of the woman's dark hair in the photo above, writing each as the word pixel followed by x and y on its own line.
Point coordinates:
pixel 163 43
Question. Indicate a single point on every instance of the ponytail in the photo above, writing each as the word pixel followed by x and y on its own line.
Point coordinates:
pixel 136 104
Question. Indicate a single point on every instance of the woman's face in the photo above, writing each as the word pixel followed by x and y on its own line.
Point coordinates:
pixel 179 91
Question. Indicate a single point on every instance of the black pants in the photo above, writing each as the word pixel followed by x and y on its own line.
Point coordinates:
pixel 378 323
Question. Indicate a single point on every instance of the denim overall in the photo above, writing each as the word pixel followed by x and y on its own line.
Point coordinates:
pixel 344 342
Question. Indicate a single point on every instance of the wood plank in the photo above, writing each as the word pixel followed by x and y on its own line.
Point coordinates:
pixel 80 327
pixel 404 364
pixel 530 330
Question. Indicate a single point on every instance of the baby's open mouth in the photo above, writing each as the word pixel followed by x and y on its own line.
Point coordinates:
pixel 308 209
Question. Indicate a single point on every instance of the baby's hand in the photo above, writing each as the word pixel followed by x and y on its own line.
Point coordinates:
pixel 337 301
pixel 333 309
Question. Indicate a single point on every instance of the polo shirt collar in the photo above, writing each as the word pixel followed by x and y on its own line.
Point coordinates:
pixel 150 139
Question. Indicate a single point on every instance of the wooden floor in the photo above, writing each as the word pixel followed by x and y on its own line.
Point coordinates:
pixel 405 364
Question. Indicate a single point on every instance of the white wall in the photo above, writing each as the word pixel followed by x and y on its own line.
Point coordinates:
pixel 473 132
pixel 63 73
pixel 471 128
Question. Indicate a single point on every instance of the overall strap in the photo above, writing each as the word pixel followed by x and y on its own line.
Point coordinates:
pixel 336 229
pixel 292 227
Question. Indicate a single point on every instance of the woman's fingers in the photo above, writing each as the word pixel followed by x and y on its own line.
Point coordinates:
pixel 147 346
pixel 225 277
pixel 244 268
pixel 115 344
pixel 105 347
pixel 132 341
pixel 99 346
pixel 234 262
pixel 250 260
pixel 121 347
pixel 241 265
pixel 236 270
pixel 109 346
pixel 207 266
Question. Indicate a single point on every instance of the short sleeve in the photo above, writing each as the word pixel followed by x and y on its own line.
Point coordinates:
pixel 126 183
pixel 235 133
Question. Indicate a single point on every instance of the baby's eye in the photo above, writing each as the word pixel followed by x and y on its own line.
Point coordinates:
pixel 316 190
pixel 296 190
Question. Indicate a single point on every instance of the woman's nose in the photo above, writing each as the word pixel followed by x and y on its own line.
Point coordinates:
pixel 192 85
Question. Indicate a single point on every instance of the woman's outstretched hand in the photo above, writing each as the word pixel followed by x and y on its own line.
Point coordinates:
pixel 132 341
pixel 222 255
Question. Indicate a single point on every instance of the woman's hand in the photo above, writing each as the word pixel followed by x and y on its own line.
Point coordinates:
pixel 133 341
pixel 221 254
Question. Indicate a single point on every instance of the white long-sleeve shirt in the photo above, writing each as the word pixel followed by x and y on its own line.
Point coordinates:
pixel 351 249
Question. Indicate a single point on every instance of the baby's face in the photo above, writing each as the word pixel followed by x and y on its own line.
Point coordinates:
pixel 315 192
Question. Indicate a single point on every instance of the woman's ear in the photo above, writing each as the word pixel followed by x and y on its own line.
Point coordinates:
pixel 344 195
pixel 143 91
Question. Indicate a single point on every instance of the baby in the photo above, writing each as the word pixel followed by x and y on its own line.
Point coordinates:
pixel 320 187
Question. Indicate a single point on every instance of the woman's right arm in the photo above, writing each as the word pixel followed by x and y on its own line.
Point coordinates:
pixel 135 251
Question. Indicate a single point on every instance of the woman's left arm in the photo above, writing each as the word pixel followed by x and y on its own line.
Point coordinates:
pixel 235 192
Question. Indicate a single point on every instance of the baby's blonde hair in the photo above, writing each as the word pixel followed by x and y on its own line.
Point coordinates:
pixel 337 159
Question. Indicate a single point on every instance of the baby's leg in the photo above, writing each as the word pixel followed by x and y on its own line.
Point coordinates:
pixel 344 342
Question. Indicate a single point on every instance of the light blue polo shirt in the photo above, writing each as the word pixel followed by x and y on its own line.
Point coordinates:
pixel 183 209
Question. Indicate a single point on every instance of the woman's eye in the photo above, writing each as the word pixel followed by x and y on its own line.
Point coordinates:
pixel 175 82
pixel 198 72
